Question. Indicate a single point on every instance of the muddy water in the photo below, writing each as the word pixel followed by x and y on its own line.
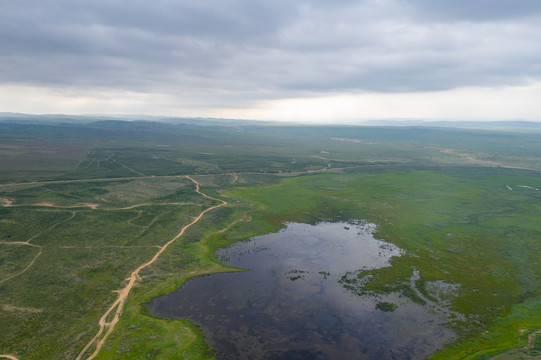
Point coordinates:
pixel 290 304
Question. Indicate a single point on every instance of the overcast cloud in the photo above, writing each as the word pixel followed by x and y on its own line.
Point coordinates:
pixel 171 57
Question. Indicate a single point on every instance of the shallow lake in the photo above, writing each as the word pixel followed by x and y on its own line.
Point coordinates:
pixel 290 304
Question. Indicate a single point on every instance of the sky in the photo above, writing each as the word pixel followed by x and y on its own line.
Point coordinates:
pixel 304 61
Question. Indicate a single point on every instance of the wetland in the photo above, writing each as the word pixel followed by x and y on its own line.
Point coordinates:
pixel 290 303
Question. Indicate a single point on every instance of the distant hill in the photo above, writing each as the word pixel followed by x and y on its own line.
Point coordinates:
pixel 488 125
pixel 509 125
pixel 7 117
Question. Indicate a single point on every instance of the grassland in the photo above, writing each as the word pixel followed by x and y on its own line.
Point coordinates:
pixel 468 233
pixel 82 206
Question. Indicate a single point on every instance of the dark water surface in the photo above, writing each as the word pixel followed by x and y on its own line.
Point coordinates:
pixel 290 305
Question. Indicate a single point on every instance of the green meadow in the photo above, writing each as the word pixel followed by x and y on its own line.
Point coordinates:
pixel 470 233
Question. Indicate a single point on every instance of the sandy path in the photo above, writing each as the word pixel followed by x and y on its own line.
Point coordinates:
pixel 150 204
pixel 17 243
pixel 9 203
pixel 233 224
pixel 98 339
pixel 11 357
pixel 90 205
pixel 531 340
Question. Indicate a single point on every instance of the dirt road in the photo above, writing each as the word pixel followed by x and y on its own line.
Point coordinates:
pixel 118 305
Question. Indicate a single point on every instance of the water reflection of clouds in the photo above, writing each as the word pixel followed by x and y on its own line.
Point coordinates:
pixel 291 303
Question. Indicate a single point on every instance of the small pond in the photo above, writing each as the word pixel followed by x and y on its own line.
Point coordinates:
pixel 290 304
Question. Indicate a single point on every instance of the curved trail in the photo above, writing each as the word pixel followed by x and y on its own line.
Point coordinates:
pixel 10 357
pixel 27 243
pixel 98 339
pixel 25 269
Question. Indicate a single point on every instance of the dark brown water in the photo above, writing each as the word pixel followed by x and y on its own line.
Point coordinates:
pixel 290 305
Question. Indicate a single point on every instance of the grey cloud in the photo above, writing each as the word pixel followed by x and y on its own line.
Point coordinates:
pixel 229 52
pixel 477 10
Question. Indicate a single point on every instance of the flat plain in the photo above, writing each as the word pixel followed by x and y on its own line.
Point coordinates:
pixel 85 205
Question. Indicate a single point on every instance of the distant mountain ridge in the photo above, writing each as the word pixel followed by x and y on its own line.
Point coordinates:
pixel 500 125
pixel 516 125
pixel 78 119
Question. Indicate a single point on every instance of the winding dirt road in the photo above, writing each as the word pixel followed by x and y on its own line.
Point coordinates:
pixel 100 339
